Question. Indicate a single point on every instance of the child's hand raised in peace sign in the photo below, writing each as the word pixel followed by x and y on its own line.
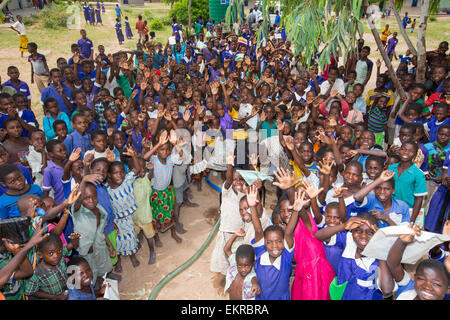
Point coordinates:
pixel 339 191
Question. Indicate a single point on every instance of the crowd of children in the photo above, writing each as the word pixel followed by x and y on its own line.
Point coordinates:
pixel 125 134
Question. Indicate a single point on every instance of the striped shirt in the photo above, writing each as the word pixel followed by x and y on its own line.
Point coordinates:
pixel 377 120
pixel 162 173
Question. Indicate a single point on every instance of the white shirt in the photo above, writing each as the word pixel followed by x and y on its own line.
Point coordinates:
pixel 338 85
pixel 19 26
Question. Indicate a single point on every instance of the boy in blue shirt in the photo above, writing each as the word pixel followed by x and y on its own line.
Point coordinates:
pixel 79 138
pixel 382 205
pixel 19 85
pixel 53 172
pixel 13 180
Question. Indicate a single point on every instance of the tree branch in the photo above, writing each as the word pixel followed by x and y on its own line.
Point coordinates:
pixel 403 30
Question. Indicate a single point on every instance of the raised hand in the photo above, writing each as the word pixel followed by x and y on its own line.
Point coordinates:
pixel 186 115
pixel 130 151
pixel 280 125
pixel 339 191
pixel 300 201
pixel 325 166
pixel 74 195
pixel 289 141
pixel 254 161
pixel 163 138
pixel 286 179
pixel 161 111
pixel 173 137
pixel 408 238
pixel 143 85
pixel 110 155
pixel 263 116
pixel 167 115
pixel 252 196
pixel 387 175
pixel 351 154
pixel 75 155
pixel 230 159
pixel 311 189
pixel 240 232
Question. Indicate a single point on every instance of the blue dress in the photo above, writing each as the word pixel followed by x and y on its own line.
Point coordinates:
pixel 97 14
pixel 124 204
pixel 273 278
pixel 439 204
pixel 334 249
pixel 86 13
pixel 361 274
pixel 128 32
pixel 103 8
pixel 119 32
pixel 91 15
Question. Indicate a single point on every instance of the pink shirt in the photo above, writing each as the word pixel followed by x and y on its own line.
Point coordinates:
pixel 344 107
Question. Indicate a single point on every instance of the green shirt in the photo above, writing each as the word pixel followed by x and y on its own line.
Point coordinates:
pixel 267 130
pixel 409 185
pixel 125 85
pixel 13 289
pixel 198 27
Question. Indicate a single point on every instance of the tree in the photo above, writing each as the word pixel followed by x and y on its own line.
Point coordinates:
pixel 3 4
pixel 308 24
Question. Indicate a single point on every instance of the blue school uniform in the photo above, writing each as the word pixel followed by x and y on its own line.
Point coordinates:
pixel 8 204
pixel 435 217
pixel 98 16
pixel 51 92
pixel 433 125
pixel 361 274
pixel 352 210
pixel 75 294
pixel 119 33
pixel 399 212
pixel 334 249
pixel 363 157
pixel 28 117
pixel 52 180
pixel 22 88
pixel 76 140
pixel 273 278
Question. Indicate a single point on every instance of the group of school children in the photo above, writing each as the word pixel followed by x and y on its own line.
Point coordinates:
pixel 111 162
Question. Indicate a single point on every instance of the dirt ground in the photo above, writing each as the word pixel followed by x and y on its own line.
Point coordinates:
pixel 196 282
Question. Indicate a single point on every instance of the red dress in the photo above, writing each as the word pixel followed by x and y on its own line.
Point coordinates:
pixel 313 273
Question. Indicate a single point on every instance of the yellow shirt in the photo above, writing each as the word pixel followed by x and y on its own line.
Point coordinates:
pixel 385 34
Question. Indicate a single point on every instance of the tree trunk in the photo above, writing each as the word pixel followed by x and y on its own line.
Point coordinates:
pixel 388 63
pixel 403 30
pixel 3 4
pixel 189 13
pixel 421 44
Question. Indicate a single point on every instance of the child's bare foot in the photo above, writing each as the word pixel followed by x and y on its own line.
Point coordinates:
pixel 175 236
pixel 152 258
pixel 188 203
pixel 158 242
pixel 134 261
pixel 118 267
pixel 114 276
pixel 179 228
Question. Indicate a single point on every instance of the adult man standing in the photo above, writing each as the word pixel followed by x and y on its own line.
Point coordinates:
pixel 140 26
pixel 251 19
pixel 19 27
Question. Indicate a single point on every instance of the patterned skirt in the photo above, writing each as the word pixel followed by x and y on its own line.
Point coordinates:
pixel 162 203
pixel 127 243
